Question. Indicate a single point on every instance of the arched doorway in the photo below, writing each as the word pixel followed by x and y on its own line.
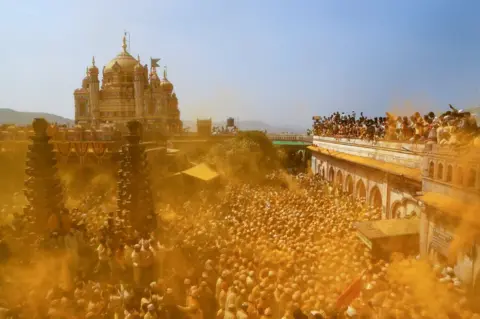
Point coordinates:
pixel 331 174
pixel 361 191
pixel 397 210
pixel 376 198
pixel 349 184
pixel 339 180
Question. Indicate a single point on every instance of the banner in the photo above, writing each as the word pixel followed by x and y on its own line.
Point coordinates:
pixel 351 293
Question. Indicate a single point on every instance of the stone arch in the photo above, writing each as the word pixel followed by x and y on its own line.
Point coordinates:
pixel 459 175
pixel 339 179
pixel 361 191
pixel 397 210
pixel 331 175
pixel 449 173
pixel 376 197
pixel 440 171
pixel 472 177
pixel 349 184
pixel 431 169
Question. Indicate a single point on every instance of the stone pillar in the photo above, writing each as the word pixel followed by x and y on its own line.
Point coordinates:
pixel 134 193
pixel 94 92
pixel 43 189
pixel 423 232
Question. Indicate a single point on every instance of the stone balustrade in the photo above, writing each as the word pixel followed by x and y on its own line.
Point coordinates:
pixel 404 154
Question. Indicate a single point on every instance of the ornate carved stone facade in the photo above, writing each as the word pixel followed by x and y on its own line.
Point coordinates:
pixel 128 91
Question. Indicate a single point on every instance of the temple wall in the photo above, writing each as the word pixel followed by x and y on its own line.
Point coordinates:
pixel 375 186
pixel 452 172
pixel 405 154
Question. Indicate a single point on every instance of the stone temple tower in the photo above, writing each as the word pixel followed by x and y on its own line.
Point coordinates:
pixel 139 88
pixel 128 91
pixel 94 92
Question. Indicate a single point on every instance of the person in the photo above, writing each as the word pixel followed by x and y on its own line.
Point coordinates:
pixel 298 314
pixel 242 311
pixel 192 309
pixel 151 312
pixel 230 312
pixel 103 269
pixel 147 257
pixel 137 264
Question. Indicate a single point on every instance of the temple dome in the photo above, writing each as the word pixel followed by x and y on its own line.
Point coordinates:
pixel 92 69
pixel 167 86
pixel 126 62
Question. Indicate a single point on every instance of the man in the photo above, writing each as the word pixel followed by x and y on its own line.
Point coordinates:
pixel 230 312
pixel 137 264
pixel 242 311
pixel 147 257
pixel 151 313
pixel 298 314
pixel 193 305
pixel 103 269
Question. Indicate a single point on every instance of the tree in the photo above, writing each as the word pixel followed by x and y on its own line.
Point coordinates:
pixel 248 156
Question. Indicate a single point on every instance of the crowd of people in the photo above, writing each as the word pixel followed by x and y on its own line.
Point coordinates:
pixel 284 249
pixel 454 127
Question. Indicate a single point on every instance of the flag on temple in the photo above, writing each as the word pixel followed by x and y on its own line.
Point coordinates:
pixel 352 292
pixel 154 63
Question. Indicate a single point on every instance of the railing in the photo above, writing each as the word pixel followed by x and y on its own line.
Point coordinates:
pixel 290 137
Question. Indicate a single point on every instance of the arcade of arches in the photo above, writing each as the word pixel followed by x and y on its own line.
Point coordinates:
pixel 375 198
pixel 331 174
pixel 361 191
pixel 372 187
pixel 349 184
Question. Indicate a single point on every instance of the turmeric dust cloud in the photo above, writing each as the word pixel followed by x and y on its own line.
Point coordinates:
pixel 293 230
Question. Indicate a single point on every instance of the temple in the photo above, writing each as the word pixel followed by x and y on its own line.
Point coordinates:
pixel 128 91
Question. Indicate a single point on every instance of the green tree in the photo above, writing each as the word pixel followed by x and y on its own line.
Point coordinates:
pixel 248 156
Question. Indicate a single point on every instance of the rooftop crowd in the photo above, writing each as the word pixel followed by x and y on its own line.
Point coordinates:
pixel 286 249
pixel 453 127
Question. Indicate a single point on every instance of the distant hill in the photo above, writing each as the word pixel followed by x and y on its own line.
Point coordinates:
pixel 253 125
pixel 9 116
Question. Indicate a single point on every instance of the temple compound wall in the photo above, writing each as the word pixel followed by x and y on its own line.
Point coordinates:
pixel 449 223
pixel 386 175
pixel 438 184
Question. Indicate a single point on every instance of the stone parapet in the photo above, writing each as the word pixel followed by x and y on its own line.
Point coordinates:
pixel 404 154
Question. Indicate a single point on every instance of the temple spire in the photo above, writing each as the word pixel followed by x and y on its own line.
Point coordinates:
pixel 93 61
pixel 138 58
pixel 124 45
pixel 165 72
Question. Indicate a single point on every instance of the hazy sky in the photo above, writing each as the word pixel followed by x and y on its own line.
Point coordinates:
pixel 272 60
